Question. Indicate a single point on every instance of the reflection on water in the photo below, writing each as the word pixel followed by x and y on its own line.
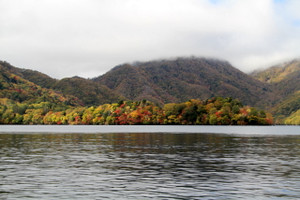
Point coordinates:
pixel 148 165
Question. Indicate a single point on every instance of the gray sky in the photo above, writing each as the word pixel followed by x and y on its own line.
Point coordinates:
pixel 63 38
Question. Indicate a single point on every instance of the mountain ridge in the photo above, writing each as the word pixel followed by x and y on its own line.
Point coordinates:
pixel 16 88
pixel 89 92
pixel 198 77
pixel 178 80
pixel 285 78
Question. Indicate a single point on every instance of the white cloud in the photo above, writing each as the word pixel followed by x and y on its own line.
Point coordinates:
pixel 88 37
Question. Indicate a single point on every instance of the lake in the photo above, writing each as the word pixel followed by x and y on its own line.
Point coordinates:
pixel 149 162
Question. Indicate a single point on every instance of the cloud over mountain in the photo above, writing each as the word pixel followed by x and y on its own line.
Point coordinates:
pixel 88 37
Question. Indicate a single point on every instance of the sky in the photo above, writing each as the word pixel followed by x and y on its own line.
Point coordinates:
pixel 64 38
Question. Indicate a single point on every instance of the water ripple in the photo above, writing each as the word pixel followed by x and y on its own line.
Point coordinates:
pixel 148 166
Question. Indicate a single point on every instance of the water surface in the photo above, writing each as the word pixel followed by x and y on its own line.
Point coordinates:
pixel 241 130
pixel 149 166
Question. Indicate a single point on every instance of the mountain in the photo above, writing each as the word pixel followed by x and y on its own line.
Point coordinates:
pixel 293 119
pixel 33 76
pixel 18 89
pixel 182 79
pixel 276 89
pixel 277 73
pixel 89 92
pixel 285 79
pixel 286 107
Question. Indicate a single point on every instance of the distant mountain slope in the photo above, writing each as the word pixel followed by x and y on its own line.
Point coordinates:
pixel 294 118
pixel 178 80
pixel 286 107
pixel 36 77
pixel 166 81
pixel 277 73
pixel 18 89
pixel 89 93
pixel 285 79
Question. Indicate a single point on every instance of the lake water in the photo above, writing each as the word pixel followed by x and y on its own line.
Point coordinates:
pixel 149 162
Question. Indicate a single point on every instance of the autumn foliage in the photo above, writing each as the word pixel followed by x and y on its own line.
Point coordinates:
pixel 214 111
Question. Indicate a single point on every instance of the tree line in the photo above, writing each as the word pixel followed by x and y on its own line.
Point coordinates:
pixel 214 111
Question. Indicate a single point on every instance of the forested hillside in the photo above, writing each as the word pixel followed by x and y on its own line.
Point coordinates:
pixel 15 88
pixel 285 81
pixel 181 79
pixel 277 73
pixel 275 90
pixel 89 93
pixel 36 77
